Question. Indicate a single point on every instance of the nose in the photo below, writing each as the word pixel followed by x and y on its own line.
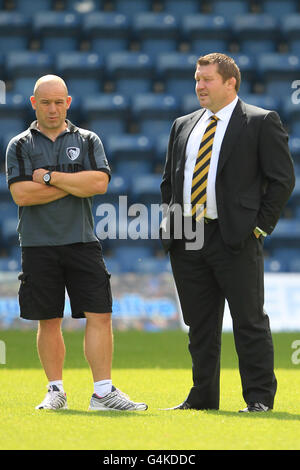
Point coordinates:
pixel 52 108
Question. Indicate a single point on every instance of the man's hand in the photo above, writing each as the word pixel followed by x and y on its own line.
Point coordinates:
pixel 256 233
pixel 37 175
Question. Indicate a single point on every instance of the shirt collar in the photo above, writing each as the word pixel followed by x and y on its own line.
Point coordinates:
pixel 224 113
pixel 70 127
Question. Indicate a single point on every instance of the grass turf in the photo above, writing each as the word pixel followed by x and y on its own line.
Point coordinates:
pixel 150 367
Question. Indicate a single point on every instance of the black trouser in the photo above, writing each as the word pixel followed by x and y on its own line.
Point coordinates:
pixel 204 279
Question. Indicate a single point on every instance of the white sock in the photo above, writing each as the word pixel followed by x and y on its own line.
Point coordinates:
pixel 103 387
pixel 58 383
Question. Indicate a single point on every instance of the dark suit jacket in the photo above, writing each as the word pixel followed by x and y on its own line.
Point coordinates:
pixel 255 175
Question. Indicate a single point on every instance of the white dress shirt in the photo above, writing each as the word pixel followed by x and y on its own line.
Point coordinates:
pixel 192 149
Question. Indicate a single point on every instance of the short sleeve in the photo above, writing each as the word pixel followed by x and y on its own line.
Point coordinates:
pixel 96 158
pixel 18 164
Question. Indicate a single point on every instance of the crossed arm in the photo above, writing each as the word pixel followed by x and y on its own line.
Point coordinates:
pixel 81 184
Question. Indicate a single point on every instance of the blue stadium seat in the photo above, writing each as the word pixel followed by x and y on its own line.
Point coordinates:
pixel 295 127
pixel 229 8
pixel 289 27
pixel 25 85
pixel 278 87
pixel 205 26
pixel 151 25
pixel 132 72
pixel 153 266
pixel 285 255
pixel 130 256
pixel 12 125
pixel 254 26
pixel 118 186
pixel 81 87
pixel 154 46
pixel 128 147
pixel 82 71
pixel 178 64
pixel 278 66
pixel 26 7
pixel 246 64
pixel 154 106
pixel 129 65
pixel 105 127
pixel 79 64
pixel 83 7
pixel 28 64
pixel 180 8
pixel 8 264
pixel 133 169
pixel 155 127
pixel 291 110
pixel 103 107
pixel 105 25
pixel 294 265
pixel 130 86
pixel 146 189
pixel 9 234
pixel 294 46
pixel 107 45
pixel 189 103
pixel 278 8
pixel 180 86
pixel 275 265
pixel 206 46
pixel 257 46
pixel 106 31
pixel 132 7
pixel 287 229
pixel 263 101
pixel 16 106
pixel 113 264
pixel 58 31
pixel 15 29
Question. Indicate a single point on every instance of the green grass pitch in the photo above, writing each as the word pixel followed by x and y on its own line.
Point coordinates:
pixel 150 367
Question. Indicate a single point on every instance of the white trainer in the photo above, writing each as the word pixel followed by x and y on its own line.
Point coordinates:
pixel 54 400
pixel 115 401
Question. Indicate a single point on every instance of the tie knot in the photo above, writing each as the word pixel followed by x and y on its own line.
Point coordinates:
pixel 214 118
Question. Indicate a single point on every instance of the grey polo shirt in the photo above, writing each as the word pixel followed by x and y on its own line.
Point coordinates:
pixel 67 220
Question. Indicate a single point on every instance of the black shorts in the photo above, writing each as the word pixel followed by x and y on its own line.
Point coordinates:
pixel 49 271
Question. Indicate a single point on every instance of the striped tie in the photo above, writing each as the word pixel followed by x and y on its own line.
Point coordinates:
pixel 199 182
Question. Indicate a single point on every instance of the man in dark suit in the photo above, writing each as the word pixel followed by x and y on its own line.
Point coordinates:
pixel 228 166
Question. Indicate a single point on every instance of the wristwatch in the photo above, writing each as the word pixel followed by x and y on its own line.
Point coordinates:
pixel 47 177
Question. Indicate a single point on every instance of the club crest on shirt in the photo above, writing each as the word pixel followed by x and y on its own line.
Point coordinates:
pixel 73 152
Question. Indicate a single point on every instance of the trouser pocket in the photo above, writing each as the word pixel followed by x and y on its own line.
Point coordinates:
pixel 25 294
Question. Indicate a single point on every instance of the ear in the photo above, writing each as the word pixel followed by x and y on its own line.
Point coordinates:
pixel 69 101
pixel 33 102
pixel 231 83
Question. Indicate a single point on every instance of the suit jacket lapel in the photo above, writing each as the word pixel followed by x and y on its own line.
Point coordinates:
pixel 235 126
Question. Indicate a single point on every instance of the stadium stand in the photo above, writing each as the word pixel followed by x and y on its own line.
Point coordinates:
pixel 129 67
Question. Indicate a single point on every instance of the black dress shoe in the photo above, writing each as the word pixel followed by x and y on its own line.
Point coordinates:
pixel 255 408
pixel 183 406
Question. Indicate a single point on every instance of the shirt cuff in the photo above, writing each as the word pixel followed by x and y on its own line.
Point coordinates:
pixel 264 234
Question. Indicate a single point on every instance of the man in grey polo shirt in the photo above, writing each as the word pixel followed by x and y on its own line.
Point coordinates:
pixel 53 170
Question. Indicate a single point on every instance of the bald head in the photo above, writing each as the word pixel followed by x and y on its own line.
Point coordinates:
pixel 48 81
pixel 51 103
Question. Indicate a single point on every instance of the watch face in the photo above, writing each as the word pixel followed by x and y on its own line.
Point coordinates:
pixel 46 177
